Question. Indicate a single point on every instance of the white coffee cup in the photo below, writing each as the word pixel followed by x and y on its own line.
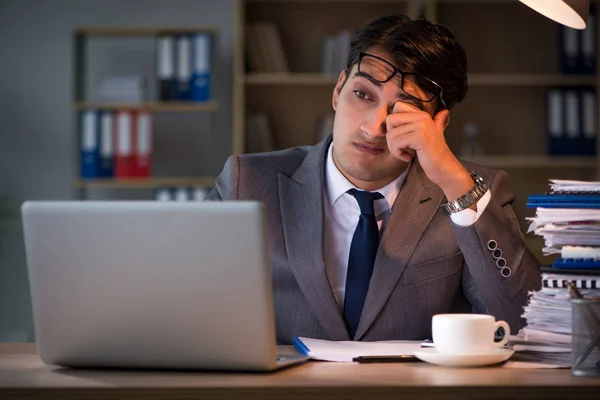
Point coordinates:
pixel 467 334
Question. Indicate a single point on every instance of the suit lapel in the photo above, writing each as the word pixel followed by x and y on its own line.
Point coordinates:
pixel 408 221
pixel 301 198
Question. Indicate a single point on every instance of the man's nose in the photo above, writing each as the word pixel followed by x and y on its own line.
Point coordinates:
pixel 375 125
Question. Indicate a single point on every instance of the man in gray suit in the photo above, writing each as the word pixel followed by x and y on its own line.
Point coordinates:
pixel 379 227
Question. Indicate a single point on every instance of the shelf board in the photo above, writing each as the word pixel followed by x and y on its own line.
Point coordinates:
pixel 158 106
pixel 140 31
pixel 525 161
pixel 330 1
pixel 143 183
pixel 485 1
pixel 478 79
pixel 291 79
pixel 475 79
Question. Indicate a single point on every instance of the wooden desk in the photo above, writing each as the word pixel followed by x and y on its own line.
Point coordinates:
pixel 23 375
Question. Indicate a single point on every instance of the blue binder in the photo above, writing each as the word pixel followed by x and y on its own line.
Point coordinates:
pixel 89 146
pixel 569 41
pixel 572 113
pixel 201 76
pixel 564 201
pixel 576 263
pixel 557 142
pixel 589 122
pixel 578 48
pixel 571 121
pixel 589 50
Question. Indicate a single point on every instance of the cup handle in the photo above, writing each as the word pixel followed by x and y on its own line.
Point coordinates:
pixel 506 328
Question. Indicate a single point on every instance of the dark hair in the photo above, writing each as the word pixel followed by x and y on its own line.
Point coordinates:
pixel 418 46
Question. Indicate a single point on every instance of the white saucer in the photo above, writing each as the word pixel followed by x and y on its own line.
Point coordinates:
pixel 431 355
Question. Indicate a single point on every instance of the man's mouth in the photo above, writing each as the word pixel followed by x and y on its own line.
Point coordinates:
pixel 368 148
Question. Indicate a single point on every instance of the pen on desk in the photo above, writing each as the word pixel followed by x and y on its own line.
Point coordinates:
pixel 386 359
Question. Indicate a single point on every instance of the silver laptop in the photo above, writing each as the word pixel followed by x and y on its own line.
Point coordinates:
pixel 152 285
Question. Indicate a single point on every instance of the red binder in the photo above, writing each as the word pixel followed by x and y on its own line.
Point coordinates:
pixel 143 144
pixel 124 140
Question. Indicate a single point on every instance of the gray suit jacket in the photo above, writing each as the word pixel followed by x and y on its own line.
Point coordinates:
pixel 425 264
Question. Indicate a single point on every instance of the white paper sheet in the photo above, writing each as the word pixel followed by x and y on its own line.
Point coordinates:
pixel 345 351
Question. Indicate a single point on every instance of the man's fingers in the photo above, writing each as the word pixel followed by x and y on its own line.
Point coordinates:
pixel 402 130
pixel 401 106
pixel 396 120
pixel 400 144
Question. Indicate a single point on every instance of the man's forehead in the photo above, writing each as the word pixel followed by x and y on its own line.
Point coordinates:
pixel 396 79
pixel 381 53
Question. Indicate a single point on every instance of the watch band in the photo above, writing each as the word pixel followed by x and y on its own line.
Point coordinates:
pixel 468 199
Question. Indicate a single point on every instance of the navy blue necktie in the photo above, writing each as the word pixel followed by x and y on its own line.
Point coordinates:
pixel 362 256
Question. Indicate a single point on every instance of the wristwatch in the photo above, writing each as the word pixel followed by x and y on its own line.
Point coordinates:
pixel 468 199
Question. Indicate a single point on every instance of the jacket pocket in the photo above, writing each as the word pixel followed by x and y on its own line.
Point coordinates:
pixel 433 269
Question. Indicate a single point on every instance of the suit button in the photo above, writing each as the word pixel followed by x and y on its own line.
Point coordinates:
pixel 497 254
pixel 492 244
pixel 505 272
pixel 501 263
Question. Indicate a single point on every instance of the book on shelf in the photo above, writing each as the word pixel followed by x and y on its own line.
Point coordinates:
pixel 334 51
pixel 324 126
pixel 124 156
pixel 183 70
pixel 200 86
pixel 571 121
pixel 107 147
pixel 184 66
pixel 259 136
pixel 165 66
pixel 143 145
pixel 115 143
pixel 578 48
pixel 181 193
pixel 255 60
pixel 122 89
pixel 88 143
pixel 264 48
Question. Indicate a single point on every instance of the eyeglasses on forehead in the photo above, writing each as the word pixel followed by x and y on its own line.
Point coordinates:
pixel 380 70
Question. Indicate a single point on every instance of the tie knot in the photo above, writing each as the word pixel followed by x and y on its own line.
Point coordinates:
pixel 366 200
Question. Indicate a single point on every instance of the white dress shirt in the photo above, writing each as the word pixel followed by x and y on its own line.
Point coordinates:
pixel 341 213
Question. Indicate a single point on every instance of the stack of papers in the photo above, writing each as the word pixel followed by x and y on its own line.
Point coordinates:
pixel 568 232
pixel 346 351
pixel 547 336
pixel 540 346
pixel 568 218
pixel 562 186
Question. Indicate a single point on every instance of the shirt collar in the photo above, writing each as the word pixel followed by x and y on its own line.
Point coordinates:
pixel 336 184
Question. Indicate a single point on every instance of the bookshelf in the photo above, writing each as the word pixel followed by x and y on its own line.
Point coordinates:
pixel 513 55
pixel 84 100
pixel 155 106
pixel 146 183
pixel 474 79
pixel 140 31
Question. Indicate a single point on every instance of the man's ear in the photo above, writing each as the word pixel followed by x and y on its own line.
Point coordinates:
pixel 447 121
pixel 338 88
pixel 442 119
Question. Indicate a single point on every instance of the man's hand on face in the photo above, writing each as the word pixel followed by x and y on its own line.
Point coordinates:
pixel 412 131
